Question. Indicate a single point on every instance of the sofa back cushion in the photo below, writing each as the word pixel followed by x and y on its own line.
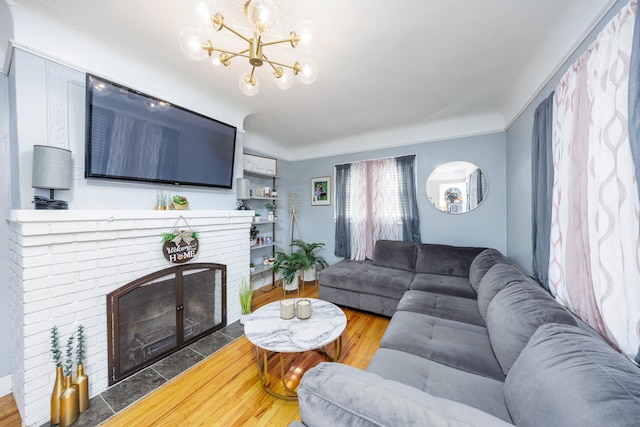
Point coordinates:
pixel 496 279
pixel 482 263
pixel 395 254
pixel 446 260
pixel 513 316
pixel 568 377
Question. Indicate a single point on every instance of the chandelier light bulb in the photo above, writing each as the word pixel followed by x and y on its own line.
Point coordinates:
pixel 191 42
pixel 263 15
pixel 284 78
pixel 248 84
pixel 202 13
pixel 305 31
pixel 307 71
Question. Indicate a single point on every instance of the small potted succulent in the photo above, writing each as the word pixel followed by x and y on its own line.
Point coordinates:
pixel 257 217
pixel 180 202
pixel 252 267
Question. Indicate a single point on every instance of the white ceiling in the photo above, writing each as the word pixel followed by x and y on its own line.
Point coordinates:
pixel 444 68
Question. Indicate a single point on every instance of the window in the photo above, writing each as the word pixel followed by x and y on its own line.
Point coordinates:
pixel 372 198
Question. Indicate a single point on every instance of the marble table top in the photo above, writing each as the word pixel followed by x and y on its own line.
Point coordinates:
pixel 265 329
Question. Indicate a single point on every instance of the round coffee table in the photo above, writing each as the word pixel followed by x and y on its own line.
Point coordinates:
pixel 273 335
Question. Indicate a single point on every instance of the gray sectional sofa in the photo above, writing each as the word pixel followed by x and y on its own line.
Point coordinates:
pixel 489 348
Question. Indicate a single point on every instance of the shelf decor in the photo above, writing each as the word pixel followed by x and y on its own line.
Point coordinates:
pixel 260 165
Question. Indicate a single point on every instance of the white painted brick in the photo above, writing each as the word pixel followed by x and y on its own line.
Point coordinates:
pixel 73 227
pixel 33 273
pixel 44 261
pixel 68 267
pixel 103 238
pixel 34 296
pixel 132 267
pixel 48 282
pixel 35 251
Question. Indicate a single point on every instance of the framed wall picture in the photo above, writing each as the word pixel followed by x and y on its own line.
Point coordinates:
pixel 321 191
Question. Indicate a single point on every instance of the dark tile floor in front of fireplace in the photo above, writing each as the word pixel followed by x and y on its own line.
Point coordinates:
pixel 127 391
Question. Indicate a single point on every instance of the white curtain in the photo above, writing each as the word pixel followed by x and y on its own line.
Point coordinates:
pixel 374 204
pixel 594 266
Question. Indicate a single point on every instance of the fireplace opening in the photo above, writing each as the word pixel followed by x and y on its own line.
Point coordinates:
pixel 160 313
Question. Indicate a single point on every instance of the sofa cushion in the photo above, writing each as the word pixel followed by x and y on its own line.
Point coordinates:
pixel 456 344
pixel 364 277
pixel 444 259
pixel 333 394
pixel 482 263
pixel 443 306
pixel 514 315
pixel 395 254
pixel 440 380
pixel 496 279
pixel 441 284
pixel 567 377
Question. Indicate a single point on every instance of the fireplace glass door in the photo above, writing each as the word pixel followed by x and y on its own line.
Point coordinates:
pixel 160 313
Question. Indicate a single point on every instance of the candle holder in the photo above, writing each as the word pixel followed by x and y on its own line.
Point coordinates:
pixel 303 309
pixel 287 309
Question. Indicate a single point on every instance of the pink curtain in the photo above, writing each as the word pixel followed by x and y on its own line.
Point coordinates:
pixel 594 266
pixel 374 204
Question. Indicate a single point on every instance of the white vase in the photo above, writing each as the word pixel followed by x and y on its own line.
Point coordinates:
pixel 310 274
pixel 291 286
pixel 243 318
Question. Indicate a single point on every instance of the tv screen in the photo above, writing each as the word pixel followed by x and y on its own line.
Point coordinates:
pixel 133 136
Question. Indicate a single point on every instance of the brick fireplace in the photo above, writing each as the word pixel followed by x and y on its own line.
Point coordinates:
pixel 64 263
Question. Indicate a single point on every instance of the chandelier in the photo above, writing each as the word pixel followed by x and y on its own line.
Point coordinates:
pixel 262 17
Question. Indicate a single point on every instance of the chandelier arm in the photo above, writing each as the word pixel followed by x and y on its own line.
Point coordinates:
pixel 276 42
pixel 236 33
pixel 233 54
pixel 273 63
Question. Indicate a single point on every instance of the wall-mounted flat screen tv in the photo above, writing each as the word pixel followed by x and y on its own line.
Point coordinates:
pixel 134 136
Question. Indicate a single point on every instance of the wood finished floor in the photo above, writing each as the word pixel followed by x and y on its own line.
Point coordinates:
pixel 224 390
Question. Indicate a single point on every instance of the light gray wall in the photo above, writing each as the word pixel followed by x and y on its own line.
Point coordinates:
pixel 518 156
pixel 485 226
pixel 5 368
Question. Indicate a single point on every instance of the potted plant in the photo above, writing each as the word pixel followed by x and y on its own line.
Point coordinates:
pixel 252 267
pixel 289 265
pixel 246 294
pixel 315 261
pixel 271 207
pixel 180 202
pixel 253 234
pixel 257 217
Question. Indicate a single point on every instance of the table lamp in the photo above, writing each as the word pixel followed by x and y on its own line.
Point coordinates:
pixel 51 170
pixel 243 193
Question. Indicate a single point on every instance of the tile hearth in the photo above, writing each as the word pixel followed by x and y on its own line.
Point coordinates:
pixel 130 390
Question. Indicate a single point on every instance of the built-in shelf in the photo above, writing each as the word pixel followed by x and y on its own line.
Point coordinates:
pixel 263 198
pixel 270 245
pixel 263 222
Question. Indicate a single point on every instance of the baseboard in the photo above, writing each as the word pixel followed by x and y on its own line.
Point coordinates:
pixel 5 385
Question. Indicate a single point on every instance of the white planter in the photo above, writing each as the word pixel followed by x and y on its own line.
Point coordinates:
pixel 257 218
pixel 310 274
pixel 291 286
pixel 244 317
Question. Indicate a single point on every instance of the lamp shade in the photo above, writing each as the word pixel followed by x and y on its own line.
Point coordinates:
pixel 51 168
pixel 242 188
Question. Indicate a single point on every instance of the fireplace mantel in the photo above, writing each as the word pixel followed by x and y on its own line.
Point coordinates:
pixel 64 263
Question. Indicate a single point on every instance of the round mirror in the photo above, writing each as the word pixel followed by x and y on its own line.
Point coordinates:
pixel 457 187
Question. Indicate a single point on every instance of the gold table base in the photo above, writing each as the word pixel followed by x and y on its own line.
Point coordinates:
pixel 263 371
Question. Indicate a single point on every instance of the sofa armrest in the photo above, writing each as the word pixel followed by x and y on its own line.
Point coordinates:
pixel 337 394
